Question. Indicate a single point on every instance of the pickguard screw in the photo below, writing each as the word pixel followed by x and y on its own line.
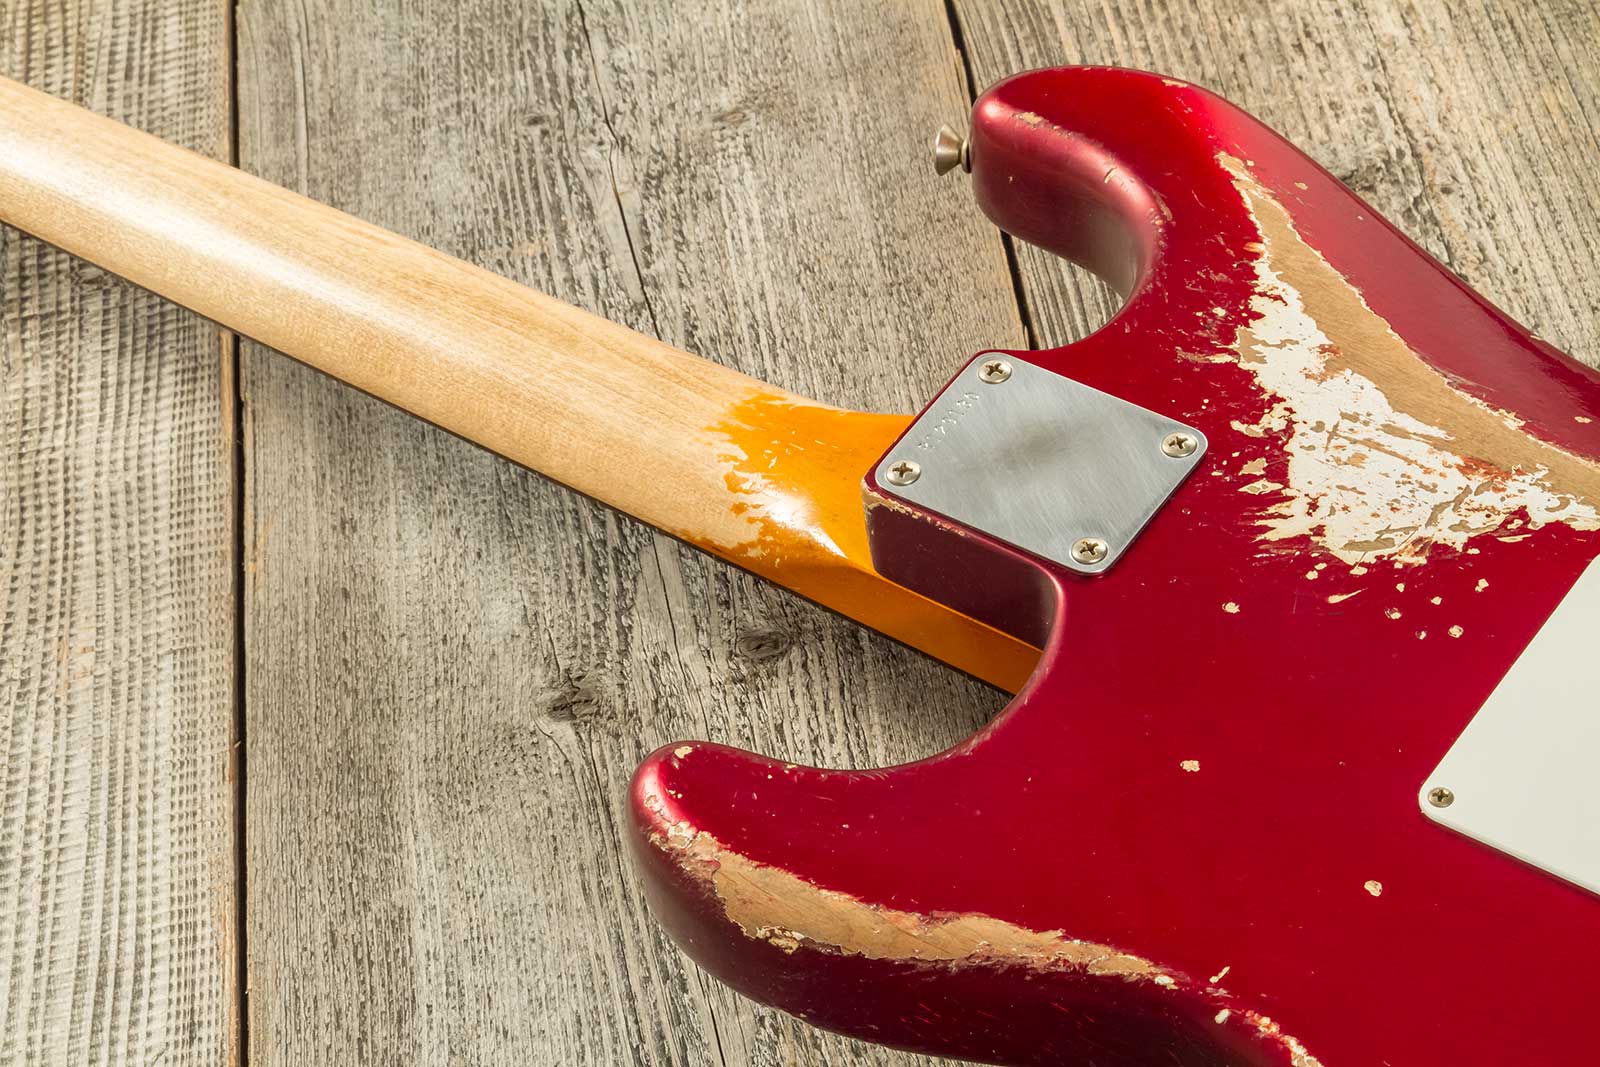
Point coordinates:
pixel 1090 550
pixel 1180 444
pixel 1440 797
pixel 994 371
pixel 904 472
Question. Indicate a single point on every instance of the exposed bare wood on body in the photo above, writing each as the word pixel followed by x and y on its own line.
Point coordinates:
pixel 1383 456
pixel 772 905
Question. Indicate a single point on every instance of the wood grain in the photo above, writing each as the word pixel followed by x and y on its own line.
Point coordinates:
pixel 557 389
pixel 117 627
pixel 454 666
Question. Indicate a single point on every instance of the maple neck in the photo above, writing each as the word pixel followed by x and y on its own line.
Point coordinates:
pixel 452 343
pixel 746 470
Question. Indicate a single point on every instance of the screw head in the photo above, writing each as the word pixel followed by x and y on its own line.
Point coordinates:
pixel 1180 444
pixel 1440 797
pixel 904 472
pixel 1090 550
pixel 994 371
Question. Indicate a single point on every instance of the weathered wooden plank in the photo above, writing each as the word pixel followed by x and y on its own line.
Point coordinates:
pixel 117 623
pixel 454 666
pixel 1473 126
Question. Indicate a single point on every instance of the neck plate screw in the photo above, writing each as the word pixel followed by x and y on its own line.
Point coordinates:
pixel 904 472
pixel 1178 445
pixel 994 371
pixel 1090 550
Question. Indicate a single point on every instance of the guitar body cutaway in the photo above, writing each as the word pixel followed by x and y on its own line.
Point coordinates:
pixel 1194 836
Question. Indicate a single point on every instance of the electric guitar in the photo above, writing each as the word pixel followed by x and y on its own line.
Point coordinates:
pixel 1306 534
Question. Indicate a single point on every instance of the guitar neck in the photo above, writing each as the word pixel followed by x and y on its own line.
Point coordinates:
pixel 581 399
pixel 743 469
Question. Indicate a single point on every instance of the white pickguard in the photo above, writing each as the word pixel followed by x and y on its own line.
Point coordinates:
pixel 1525 774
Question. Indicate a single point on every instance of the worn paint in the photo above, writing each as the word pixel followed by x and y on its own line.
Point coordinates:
pixel 772 905
pixel 957 835
pixel 1436 466
pixel 1298 1055
pixel 793 513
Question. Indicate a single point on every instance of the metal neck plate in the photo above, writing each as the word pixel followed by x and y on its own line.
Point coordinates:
pixel 1520 778
pixel 1041 462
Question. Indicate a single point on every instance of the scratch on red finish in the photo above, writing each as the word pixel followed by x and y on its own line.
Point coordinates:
pixel 1401 485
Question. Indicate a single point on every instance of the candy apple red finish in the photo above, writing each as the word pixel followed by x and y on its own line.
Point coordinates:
pixel 1194 837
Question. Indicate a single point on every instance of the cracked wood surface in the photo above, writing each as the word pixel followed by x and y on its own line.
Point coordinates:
pixel 452 666
pixel 117 601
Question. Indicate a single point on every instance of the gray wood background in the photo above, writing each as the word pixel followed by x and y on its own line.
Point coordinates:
pixel 316 720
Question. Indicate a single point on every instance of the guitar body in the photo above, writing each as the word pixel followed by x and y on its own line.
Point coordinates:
pixel 1194 837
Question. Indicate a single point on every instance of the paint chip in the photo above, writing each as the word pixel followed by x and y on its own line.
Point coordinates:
pixel 682 750
pixel 1190 765
pixel 1330 412
pixel 1231 608
pixel 1220 975
pixel 1391 613
pixel 1340 598
pixel 1456 631
pixel 1483 583
pixel 1374 887
pixel 1222 1016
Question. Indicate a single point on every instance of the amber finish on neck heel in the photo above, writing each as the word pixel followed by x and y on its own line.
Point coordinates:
pixel 1194 837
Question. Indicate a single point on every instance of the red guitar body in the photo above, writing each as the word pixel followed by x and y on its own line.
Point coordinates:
pixel 1194 837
